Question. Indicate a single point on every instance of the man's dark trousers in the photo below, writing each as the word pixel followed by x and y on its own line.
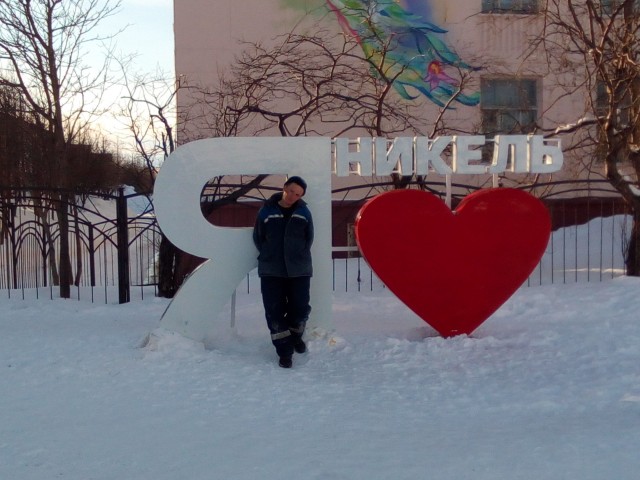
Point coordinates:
pixel 286 306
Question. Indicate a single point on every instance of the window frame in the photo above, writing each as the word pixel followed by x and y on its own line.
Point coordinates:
pixel 530 85
pixel 608 6
pixel 524 7
pixel 526 84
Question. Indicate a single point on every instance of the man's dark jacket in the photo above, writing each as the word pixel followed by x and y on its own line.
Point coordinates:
pixel 284 246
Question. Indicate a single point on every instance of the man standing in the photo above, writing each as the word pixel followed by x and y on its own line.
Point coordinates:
pixel 283 234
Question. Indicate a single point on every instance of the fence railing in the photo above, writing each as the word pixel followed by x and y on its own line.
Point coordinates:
pixel 114 254
pixel 112 248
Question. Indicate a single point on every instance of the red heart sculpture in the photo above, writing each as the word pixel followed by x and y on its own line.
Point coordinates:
pixel 453 269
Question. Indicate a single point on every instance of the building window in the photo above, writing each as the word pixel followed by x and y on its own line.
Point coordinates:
pixel 602 99
pixel 610 6
pixel 509 106
pixel 623 105
pixel 622 111
pixel 510 6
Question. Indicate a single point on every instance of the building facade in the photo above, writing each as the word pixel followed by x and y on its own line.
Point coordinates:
pixel 471 67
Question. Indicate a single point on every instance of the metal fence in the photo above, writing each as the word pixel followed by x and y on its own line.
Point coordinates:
pixel 590 252
pixel 114 241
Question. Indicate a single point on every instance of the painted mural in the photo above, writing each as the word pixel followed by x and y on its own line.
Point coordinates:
pixel 415 48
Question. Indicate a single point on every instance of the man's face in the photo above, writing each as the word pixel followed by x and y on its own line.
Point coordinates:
pixel 291 194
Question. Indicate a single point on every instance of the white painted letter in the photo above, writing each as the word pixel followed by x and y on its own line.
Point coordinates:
pixel 362 158
pixel 545 158
pixel 231 253
pixel 398 159
pixel 428 153
pixel 463 154
pixel 510 147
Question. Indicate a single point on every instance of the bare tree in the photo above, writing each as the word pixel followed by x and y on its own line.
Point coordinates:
pixel 320 83
pixel 316 83
pixel 308 84
pixel 148 109
pixel 42 43
pixel 594 46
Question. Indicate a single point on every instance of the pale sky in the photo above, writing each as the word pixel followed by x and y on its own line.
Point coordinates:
pixel 148 35
pixel 149 32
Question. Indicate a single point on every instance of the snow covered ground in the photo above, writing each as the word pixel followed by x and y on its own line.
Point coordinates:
pixel 547 388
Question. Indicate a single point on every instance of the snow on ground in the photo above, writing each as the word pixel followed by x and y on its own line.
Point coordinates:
pixel 547 388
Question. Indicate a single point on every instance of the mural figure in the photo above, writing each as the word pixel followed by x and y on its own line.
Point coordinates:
pixel 407 47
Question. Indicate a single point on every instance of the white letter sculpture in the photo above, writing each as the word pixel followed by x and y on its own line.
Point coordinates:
pixel 194 312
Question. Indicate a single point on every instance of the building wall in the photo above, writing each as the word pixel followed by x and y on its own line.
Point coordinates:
pixel 209 34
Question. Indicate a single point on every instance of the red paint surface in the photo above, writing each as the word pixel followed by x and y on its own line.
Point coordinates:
pixel 453 269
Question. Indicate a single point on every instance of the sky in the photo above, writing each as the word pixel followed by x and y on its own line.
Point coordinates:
pixel 149 32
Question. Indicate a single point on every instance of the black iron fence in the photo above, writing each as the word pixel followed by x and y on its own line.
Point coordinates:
pixel 113 242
